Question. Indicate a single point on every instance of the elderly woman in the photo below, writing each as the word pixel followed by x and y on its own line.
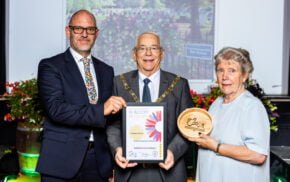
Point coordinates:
pixel 237 149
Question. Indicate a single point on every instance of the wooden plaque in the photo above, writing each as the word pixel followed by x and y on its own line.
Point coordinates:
pixel 193 121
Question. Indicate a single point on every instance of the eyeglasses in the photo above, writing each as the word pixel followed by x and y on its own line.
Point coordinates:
pixel 80 30
pixel 153 49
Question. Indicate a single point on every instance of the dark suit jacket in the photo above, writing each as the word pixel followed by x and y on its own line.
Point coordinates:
pixel 70 117
pixel 178 100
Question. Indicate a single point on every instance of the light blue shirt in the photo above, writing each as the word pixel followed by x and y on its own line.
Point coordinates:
pixel 244 121
pixel 153 85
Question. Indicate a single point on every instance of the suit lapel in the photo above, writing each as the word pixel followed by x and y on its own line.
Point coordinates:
pixel 163 83
pixel 133 81
pixel 99 76
pixel 75 74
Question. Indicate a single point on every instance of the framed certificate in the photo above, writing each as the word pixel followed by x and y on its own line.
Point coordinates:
pixel 144 132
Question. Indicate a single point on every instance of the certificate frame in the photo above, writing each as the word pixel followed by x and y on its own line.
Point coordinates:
pixel 144 129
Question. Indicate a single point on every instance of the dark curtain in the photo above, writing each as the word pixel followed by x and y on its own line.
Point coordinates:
pixel 2 47
pixel 289 76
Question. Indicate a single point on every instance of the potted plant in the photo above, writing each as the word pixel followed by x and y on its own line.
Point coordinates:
pixel 25 109
pixel 23 102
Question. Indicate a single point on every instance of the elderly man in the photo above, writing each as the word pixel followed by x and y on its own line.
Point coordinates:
pixel 165 87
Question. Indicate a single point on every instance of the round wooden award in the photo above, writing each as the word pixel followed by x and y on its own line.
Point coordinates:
pixel 193 121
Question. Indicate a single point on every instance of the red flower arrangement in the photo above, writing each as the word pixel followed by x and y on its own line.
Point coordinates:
pixel 23 103
pixel 204 101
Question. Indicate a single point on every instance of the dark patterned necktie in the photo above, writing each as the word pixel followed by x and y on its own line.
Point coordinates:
pixel 91 89
pixel 146 92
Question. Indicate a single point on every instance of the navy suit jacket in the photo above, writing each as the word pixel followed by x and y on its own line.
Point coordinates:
pixel 70 116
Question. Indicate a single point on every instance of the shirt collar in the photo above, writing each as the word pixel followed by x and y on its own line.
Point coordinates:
pixel 77 56
pixel 154 76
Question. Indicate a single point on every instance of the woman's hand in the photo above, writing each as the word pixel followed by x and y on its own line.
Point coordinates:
pixel 238 152
pixel 205 141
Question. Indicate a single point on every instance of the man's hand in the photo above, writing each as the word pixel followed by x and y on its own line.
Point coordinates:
pixel 113 105
pixel 121 161
pixel 169 161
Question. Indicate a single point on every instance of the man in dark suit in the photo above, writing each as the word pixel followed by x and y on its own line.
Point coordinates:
pixel 164 87
pixel 76 90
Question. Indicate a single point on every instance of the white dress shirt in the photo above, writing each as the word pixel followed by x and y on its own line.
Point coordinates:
pixel 153 85
pixel 78 59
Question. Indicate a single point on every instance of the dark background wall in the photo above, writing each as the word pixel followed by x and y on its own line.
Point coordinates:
pixel 7 130
pixel 281 137
pixel 2 47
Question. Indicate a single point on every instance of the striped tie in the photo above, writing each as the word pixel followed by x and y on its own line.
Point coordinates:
pixel 91 89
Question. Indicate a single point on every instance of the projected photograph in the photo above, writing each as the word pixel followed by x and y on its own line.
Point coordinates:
pixel 186 28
